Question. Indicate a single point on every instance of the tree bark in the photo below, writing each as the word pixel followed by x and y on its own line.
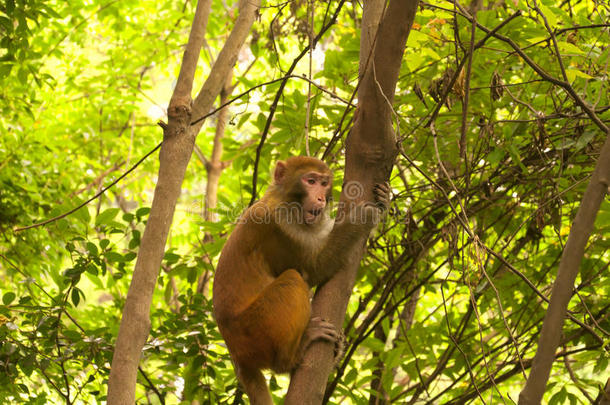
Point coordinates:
pixel 371 150
pixel 178 142
pixel 215 165
pixel 571 257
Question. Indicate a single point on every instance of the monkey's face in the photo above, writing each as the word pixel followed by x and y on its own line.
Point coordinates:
pixel 316 192
pixel 302 189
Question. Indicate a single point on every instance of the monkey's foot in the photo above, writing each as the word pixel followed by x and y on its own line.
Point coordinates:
pixel 321 329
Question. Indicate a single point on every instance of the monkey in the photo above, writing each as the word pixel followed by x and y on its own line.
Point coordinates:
pixel 283 245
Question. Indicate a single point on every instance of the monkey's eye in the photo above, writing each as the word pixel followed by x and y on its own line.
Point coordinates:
pixel 311 181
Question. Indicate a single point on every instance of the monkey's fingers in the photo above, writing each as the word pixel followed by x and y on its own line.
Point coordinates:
pixel 382 193
pixel 339 348
pixel 320 329
pixel 338 338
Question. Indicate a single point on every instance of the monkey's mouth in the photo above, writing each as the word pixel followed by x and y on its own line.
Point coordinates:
pixel 311 216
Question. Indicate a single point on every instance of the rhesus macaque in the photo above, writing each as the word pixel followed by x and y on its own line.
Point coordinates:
pixel 284 245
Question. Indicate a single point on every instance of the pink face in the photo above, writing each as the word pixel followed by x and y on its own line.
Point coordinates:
pixel 316 186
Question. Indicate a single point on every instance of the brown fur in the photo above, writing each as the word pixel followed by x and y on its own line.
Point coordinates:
pixel 261 292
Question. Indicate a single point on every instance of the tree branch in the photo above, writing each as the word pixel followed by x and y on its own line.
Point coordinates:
pixel 178 142
pixel 371 150
pixel 571 257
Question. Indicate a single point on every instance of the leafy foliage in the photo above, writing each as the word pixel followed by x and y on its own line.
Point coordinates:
pixel 452 292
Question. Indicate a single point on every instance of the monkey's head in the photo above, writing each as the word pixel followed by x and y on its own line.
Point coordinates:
pixel 305 184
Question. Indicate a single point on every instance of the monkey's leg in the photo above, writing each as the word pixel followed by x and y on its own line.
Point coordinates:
pixel 267 333
pixel 255 385
pixel 272 325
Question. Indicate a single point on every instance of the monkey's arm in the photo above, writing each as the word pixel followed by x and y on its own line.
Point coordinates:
pixel 353 228
pixel 336 252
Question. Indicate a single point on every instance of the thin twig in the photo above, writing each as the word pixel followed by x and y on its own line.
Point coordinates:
pixel 279 93
pixel 102 191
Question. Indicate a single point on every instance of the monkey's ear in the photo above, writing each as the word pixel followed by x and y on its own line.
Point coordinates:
pixel 280 172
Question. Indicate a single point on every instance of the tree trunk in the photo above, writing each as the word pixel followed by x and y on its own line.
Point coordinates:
pixel 571 257
pixel 370 154
pixel 214 167
pixel 178 142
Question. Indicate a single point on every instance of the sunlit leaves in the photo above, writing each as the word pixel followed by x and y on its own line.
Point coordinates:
pixel 82 86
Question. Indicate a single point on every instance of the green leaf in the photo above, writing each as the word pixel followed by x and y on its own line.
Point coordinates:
pixel 106 216
pixel 104 244
pixel 514 154
pixel 394 357
pixel 8 297
pixel 550 16
pixel 171 258
pixel 92 249
pixel 91 269
pixel 584 139
pixel 114 257
pixel 574 73
pixel 134 243
pixel 83 215
pixel 496 156
pixel 75 296
pixel 142 212
pixel 73 335
pixel 10 6
pixel 95 280
pixel 192 275
pixel 559 397
pixel 566 47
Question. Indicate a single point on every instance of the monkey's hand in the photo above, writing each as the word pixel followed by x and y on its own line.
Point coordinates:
pixel 369 214
pixel 352 223
pixel 339 348
pixel 383 196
